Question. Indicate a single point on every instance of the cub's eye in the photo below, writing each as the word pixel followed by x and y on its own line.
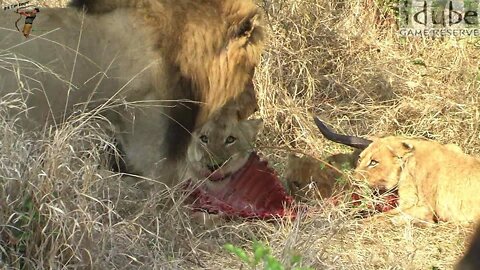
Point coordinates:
pixel 230 140
pixel 204 139
pixel 372 163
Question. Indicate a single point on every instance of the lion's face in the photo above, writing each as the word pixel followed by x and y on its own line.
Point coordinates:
pixel 381 162
pixel 221 147
pixel 221 46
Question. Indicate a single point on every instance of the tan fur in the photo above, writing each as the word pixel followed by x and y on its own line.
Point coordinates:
pixel 216 152
pixel 155 68
pixel 433 180
pixel 307 177
pixel 212 157
pixel 216 43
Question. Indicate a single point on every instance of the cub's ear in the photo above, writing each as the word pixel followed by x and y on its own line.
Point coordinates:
pixel 407 146
pixel 405 150
pixel 252 127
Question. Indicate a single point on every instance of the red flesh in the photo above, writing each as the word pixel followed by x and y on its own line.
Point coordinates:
pixel 254 191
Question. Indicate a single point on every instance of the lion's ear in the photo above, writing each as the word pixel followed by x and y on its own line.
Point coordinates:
pixel 407 146
pixel 245 28
pixel 249 28
pixel 407 150
pixel 401 149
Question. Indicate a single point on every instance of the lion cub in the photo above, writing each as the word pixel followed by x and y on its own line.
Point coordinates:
pixel 307 177
pixel 217 150
pixel 434 181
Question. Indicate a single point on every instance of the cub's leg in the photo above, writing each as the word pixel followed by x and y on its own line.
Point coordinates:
pixel 412 206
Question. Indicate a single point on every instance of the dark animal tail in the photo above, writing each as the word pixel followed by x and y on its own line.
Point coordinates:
pixel 352 141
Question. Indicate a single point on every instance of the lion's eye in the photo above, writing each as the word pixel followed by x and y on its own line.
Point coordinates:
pixel 230 140
pixel 204 138
pixel 372 163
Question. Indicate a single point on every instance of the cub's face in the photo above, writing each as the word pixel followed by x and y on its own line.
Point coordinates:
pixel 380 164
pixel 221 147
pixel 307 177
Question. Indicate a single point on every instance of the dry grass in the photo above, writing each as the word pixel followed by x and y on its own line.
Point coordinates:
pixel 60 207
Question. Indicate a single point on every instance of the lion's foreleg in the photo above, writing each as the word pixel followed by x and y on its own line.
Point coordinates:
pixel 142 134
pixel 412 205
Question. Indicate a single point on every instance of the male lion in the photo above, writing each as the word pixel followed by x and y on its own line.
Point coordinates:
pixel 434 181
pixel 156 69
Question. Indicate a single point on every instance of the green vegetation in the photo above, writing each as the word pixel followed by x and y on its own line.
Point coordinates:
pixel 262 255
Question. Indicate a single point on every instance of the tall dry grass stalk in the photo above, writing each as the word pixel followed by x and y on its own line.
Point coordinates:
pixel 61 208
